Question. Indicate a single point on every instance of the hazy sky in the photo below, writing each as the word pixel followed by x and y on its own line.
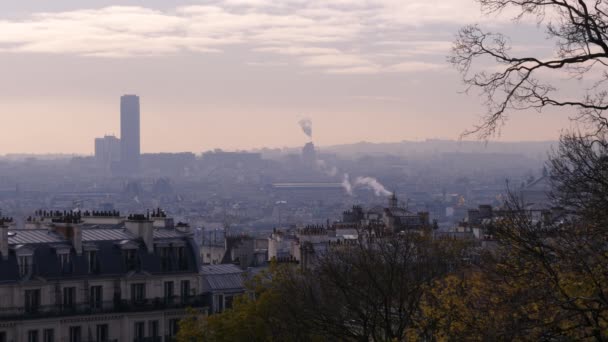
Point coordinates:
pixel 240 73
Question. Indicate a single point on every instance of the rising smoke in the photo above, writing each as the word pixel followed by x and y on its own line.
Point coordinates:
pixel 346 184
pixel 326 169
pixel 306 125
pixel 374 184
pixel 363 182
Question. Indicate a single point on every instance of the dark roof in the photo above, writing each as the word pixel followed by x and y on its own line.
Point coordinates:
pixel 33 236
pixel 110 256
pixel 220 269
pixel 106 235
pixel 225 277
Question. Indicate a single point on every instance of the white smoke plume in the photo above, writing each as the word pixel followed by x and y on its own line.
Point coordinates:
pixel 326 169
pixel 372 183
pixel 306 125
pixel 346 184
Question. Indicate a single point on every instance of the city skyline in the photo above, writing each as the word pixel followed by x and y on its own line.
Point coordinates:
pixel 240 74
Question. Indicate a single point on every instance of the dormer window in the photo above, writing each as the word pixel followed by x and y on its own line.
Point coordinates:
pixel 130 259
pixel 64 260
pixel 25 265
pixel 63 255
pixel 165 258
pixel 182 262
pixel 129 254
pixel 91 252
pixel 25 260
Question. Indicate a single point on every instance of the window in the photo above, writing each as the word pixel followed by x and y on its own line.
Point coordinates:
pixel 168 291
pixel 153 329
pixel 75 334
pixel 95 297
pixel 139 331
pixel 130 259
pixel 48 335
pixel 92 262
pixel 138 292
pixel 165 258
pixel 182 262
pixel 32 300
pixel 173 327
pixel 220 303
pixel 25 265
pixel 185 289
pixel 228 300
pixel 64 262
pixel 32 336
pixel 69 297
pixel 102 333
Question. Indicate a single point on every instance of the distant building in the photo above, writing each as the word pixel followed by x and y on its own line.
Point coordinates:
pixel 307 244
pixel 107 151
pixel 130 134
pixel 221 283
pixel 389 220
pixel 242 250
pixel 309 154
pixel 167 164
pixel 232 159
pixel 536 194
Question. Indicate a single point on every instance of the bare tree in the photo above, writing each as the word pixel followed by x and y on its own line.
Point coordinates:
pixel 580 31
pixel 557 266
pixel 371 290
pixel 579 177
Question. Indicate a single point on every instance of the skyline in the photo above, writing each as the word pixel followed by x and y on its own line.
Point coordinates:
pixel 240 74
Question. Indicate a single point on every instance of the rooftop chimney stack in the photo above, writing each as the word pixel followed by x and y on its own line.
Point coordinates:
pixel 4 239
pixel 76 236
pixel 143 227
pixel 69 226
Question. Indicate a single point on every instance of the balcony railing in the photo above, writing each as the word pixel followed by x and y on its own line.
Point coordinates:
pixel 155 304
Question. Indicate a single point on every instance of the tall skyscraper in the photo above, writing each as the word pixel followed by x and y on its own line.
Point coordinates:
pixel 129 133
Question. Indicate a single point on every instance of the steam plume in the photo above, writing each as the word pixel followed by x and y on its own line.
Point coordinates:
pixel 326 169
pixel 346 184
pixel 373 184
pixel 306 125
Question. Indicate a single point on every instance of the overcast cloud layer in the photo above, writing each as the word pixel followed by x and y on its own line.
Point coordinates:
pixel 238 73
pixel 337 36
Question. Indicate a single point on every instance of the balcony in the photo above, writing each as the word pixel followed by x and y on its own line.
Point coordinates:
pixel 47 311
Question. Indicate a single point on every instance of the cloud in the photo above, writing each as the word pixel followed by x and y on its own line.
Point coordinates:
pixel 416 67
pixel 337 36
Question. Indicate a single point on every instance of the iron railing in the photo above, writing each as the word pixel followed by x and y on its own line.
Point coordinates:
pixel 117 306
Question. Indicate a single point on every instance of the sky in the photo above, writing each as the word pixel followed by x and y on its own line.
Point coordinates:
pixel 240 74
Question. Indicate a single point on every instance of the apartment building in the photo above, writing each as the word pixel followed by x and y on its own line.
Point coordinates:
pixel 71 281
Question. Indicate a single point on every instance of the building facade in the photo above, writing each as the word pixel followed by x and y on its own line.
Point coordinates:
pixel 130 133
pixel 71 281
pixel 107 151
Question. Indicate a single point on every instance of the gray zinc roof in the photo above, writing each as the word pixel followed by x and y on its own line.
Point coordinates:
pixel 225 277
pixel 29 236
pixel 106 235
pixel 167 234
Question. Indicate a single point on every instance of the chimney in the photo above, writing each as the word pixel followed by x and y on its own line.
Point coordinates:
pixel 143 227
pixel 70 231
pixel 4 240
pixel 76 237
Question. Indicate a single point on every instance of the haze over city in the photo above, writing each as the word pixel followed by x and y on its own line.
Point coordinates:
pixel 240 74
pixel 303 170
